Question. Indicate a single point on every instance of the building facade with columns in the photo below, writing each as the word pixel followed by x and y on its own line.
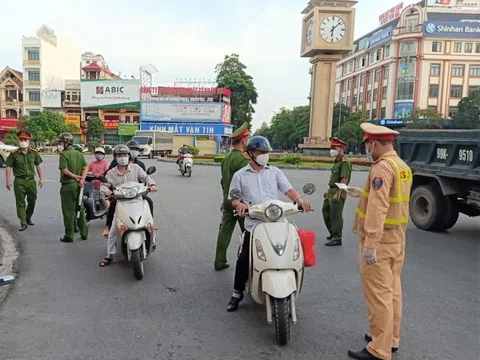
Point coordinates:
pixel 428 57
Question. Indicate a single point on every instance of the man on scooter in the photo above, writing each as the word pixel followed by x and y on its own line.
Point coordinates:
pixel 123 173
pixel 182 152
pixel 258 182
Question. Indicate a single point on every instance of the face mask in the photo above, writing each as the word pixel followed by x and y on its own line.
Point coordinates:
pixel 134 153
pixel 99 157
pixel 60 148
pixel 369 153
pixel 23 144
pixel 122 161
pixel 333 153
pixel 262 159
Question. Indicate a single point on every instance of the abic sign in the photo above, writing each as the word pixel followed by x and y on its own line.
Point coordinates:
pixel 451 29
pixel 100 90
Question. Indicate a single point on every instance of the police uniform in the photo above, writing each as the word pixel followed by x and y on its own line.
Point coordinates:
pixel 24 185
pixel 75 162
pixel 230 165
pixel 332 209
pixel 381 222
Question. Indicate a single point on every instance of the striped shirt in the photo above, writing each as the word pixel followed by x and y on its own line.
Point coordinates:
pixel 134 173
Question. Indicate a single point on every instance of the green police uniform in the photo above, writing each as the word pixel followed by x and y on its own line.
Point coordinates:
pixel 333 209
pixel 230 165
pixel 74 161
pixel 24 185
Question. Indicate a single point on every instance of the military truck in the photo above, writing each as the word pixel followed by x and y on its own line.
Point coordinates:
pixel 446 175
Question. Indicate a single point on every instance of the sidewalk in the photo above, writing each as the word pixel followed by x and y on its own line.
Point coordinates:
pixel 8 255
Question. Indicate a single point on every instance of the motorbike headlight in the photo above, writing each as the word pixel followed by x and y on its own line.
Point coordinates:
pixel 129 193
pixel 260 252
pixel 273 212
pixel 296 250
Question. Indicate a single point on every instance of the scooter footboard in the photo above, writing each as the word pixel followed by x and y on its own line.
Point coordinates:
pixel 279 283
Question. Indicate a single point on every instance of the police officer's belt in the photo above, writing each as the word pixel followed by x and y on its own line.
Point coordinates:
pixel 25 177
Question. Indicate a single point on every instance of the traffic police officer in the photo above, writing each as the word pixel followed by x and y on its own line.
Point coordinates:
pixel 74 169
pixel 381 222
pixel 233 162
pixel 334 198
pixel 23 161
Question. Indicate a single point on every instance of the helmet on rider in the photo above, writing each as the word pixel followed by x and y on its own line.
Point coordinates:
pixel 258 148
pixel 133 145
pixel 122 154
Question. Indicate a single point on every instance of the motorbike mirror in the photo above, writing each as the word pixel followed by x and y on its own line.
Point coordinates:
pixel 235 194
pixel 7 279
pixel 103 179
pixel 309 189
pixel 151 170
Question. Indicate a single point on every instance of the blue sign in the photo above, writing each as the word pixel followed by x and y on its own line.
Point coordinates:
pixel 402 109
pixel 391 122
pixel 455 29
pixel 189 129
pixel 379 38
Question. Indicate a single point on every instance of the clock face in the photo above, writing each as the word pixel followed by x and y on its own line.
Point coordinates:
pixel 332 29
pixel 309 33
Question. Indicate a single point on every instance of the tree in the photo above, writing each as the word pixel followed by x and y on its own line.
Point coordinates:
pixel 46 126
pixel 231 74
pixel 350 130
pixel 264 130
pixel 96 129
pixel 71 128
pixel 468 115
pixel 11 137
pixel 340 113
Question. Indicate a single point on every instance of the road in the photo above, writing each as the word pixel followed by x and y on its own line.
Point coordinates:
pixel 64 306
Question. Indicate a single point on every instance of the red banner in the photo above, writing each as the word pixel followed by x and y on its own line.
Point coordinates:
pixel 111 124
pixel 7 124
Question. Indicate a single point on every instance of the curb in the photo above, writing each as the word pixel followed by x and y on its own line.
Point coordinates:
pixel 8 255
pixel 318 168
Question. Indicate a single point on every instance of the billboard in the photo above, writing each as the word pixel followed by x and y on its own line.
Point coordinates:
pixel 226 113
pixel 402 109
pixel 125 129
pixel 185 91
pixel 111 124
pixel 73 119
pixel 451 29
pixel 172 111
pixel 51 99
pixel 7 124
pixel 390 14
pixel 379 38
pixel 110 93
pixel 190 129
pixel 455 4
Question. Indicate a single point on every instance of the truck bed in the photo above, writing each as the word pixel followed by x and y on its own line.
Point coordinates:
pixel 448 153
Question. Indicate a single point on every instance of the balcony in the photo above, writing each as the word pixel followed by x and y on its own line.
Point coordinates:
pixel 31 62
pixel 32 103
pixel 70 103
pixel 31 82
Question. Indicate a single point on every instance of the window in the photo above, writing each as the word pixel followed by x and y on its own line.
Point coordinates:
pixel 34 96
pixel 456 91
pixel 345 69
pixel 34 75
pixel 136 119
pixel 355 100
pixel 348 101
pixel 34 54
pixel 408 48
pixel 354 82
pixel 457 47
pixel 370 77
pixel 357 66
pixel 471 89
pixel 437 46
pixel 458 70
pixel 360 98
pixel 350 67
pixel 387 51
pixel 369 96
pixel 477 48
pixel 475 70
pixel 377 75
pixel 383 113
pixel 385 73
pixel 364 61
pixel 433 91
pixel 88 61
pixel 384 93
pixel 379 55
pixel 435 70
pixel 372 58
pixel 375 94
pixel 468 47
pixel 362 80
pixel 349 84
pixel 374 113
pixel 34 113
pixel 405 90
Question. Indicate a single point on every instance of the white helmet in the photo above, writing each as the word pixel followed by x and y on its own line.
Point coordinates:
pixel 100 150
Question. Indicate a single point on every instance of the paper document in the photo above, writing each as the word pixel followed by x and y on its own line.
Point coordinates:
pixel 342 186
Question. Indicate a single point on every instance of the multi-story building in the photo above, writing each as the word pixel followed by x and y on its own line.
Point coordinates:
pixel 11 99
pixel 48 61
pixel 426 58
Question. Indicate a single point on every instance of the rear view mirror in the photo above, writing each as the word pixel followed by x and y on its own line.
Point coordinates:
pixel 7 279
pixel 309 189
pixel 151 170
pixel 235 194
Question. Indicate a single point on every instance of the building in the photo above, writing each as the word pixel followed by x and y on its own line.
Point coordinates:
pixel 11 99
pixel 427 57
pixel 48 61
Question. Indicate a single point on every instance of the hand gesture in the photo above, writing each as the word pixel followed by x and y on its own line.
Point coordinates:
pixel 354 191
pixel 337 195
pixel 240 209
pixel 153 188
pixel 370 256
pixel 305 205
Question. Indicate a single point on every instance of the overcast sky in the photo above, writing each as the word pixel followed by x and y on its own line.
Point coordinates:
pixel 185 38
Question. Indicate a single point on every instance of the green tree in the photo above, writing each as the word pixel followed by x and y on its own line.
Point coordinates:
pixel 71 128
pixel 340 113
pixel 46 126
pixel 425 119
pixel 264 130
pixel 468 115
pixel 231 74
pixel 96 129
pixel 350 130
pixel 11 137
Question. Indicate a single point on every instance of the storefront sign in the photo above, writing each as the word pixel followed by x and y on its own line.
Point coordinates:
pixel 379 38
pixel 111 124
pixel 73 119
pixel 189 129
pixel 185 91
pixel 180 111
pixel 51 99
pixel 454 4
pixel 8 124
pixel 110 93
pixel 451 29
pixel 402 109
pixel 390 122
pixel 391 14
pixel 127 129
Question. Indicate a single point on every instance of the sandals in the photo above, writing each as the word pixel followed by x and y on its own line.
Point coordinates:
pixel 106 261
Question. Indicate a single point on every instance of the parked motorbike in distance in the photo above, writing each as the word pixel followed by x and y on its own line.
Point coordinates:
pixel 277 263
pixel 92 199
pixel 186 164
pixel 135 223
pixel 6 280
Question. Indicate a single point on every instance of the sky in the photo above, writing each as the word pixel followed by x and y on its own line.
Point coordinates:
pixel 185 39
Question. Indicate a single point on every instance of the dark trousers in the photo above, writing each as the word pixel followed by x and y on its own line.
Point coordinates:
pixel 243 264
pixel 113 205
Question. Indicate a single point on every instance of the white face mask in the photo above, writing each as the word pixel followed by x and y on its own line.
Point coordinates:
pixel 23 144
pixel 369 153
pixel 122 161
pixel 60 148
pixel 99 157
pixel 134 153
pixel 333 153
pixel 262 159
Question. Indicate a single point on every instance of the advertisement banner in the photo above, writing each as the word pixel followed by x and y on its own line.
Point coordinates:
pixel 7 124
pixel 189 129
pixel 51 99
pixel 110 93
pixel 180 111
pixel 185 91
pixel 127 129
pixel 390 14
pixel 111 124
pixel 451 29
pixel 455 4
pixel 226 113
pixel 73 119
pixel 379 38
pixel 402 109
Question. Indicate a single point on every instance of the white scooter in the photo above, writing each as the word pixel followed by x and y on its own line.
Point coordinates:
pixel 186 165
pixel 135 223
pixel 276 261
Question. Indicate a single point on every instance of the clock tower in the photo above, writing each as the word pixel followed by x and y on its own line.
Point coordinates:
pixel 328 30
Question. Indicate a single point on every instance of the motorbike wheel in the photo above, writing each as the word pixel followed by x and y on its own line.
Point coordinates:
pixel 281 314
pixel 189 171
pixel 137 263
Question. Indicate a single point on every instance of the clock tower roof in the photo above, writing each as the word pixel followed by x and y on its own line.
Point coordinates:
pixel 316 3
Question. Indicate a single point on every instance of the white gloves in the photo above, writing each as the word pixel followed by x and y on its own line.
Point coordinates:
pixel 354 191
pixel 370 256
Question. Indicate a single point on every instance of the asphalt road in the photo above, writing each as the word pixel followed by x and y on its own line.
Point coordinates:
pixel 64 306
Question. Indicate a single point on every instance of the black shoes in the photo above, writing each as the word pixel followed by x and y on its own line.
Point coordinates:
pixel 29 222
pixel 368 338
pixel 23 227
pixel 233 303
pixel 362 355
pixel 336 242
pixel 66 239
pixel 221 267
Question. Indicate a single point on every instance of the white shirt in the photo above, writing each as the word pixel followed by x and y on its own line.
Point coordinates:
pixel 134 173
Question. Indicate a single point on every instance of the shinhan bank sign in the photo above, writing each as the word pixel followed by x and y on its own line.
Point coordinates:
pixel 451 29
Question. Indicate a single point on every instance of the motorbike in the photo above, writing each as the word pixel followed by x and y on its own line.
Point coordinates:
pixel 135 223
pixel 186 164
pixel 92 199
pixel 276 261
pixel 6 279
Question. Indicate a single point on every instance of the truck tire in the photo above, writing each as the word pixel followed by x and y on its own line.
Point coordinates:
pixel 427 206
pixel 451 213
